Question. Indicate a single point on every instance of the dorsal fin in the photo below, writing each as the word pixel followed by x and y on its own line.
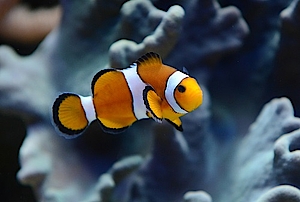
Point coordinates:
pixel 149 65
pixel 150 59
pixel 184 70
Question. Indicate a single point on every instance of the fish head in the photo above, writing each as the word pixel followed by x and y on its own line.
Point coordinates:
pixel 188 94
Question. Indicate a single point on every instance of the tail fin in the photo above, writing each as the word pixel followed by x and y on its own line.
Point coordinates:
pixel 70 115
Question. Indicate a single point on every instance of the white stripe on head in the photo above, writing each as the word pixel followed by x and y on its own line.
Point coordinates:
pixel 88 106
pixel 172 83
pixel 136 86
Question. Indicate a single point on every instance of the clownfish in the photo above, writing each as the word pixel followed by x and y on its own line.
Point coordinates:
pixel 120 97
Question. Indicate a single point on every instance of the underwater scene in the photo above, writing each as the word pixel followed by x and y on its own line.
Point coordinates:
pixel 150 101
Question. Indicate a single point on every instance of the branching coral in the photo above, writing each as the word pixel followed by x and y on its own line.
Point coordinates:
pixel 162 40
pixel 203 36
pixel 281 194
pixel 179 155
pixel 18 91
pixel 211 32
pixel 46 163
pixel 252 66
pixel 109 181
pixel 287 70
pixel 275 120
pixel 286 160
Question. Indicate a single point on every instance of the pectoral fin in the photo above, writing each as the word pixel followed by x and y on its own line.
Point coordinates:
pixel 153 103
pixel 176 123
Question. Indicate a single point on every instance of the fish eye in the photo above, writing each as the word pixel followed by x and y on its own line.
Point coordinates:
pixel 181 89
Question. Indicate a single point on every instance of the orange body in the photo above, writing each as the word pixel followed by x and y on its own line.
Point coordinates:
pixel 113 101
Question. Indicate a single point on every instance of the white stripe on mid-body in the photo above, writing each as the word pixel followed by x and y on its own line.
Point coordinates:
pixel 172 83
pixel 88 106
pixel 136 86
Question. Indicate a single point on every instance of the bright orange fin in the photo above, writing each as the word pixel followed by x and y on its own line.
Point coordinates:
pixel 69 115
pixel 150 62
pixel 176 123
pixel 153 103
pixel 150 58
pixel 152 71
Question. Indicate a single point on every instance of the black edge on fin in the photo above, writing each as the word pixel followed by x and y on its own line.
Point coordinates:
pixel 153 115
pixel 148 56
pixel 97 76
pixel 111 130
pixel 128 67
pixel 180 128
pixel 69 132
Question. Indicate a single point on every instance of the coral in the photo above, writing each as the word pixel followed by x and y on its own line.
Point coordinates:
pixel 280 194
pixel 230 50
pixel 212 32
pixel 286 159
pixel 180 155
pixel 20 93
pixel 197 196
pixel 109 180
pixel 287 71
pixel 275 120
pixel 46 167
pixel 163 39
pixel 252 66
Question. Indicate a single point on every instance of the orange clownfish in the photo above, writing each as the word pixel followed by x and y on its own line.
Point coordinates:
pixel 146 89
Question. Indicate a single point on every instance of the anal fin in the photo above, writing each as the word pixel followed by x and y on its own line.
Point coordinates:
pixel 176 123
pixel 112 127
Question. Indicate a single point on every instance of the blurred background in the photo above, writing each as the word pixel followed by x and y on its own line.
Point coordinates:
pixel 15 16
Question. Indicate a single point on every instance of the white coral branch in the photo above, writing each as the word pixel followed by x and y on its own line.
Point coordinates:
pixel 162 40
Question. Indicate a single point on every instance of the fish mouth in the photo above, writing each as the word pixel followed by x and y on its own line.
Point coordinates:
pixel 197 101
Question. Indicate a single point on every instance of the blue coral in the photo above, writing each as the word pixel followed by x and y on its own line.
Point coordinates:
pixel 243 53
